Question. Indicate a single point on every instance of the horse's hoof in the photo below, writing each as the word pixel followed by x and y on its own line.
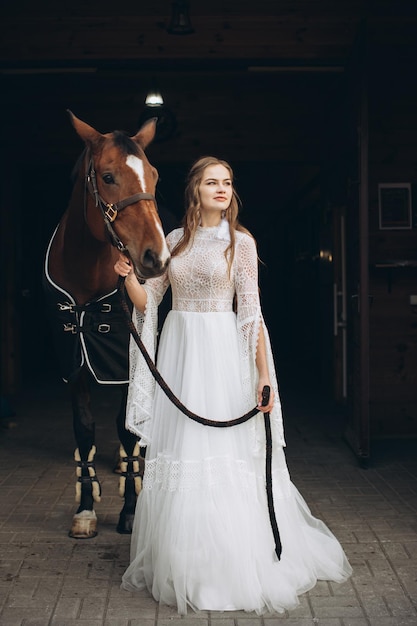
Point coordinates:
pixel 84 525
pixel 125 525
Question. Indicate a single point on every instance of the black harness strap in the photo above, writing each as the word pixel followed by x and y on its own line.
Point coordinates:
pixel 207 422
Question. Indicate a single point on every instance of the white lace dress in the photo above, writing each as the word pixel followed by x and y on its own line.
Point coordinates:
pixel 202 536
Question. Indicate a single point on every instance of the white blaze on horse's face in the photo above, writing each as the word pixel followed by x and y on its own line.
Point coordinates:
pixel 137 166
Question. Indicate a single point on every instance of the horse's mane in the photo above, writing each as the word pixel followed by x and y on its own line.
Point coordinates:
pixel 125 143
pixel 120 139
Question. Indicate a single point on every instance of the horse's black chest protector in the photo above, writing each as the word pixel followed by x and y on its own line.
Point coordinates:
pixel 95 334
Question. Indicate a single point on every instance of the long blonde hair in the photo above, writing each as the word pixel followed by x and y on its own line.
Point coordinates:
pixel 192 215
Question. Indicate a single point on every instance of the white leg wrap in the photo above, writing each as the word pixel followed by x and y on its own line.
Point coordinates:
pixel 135 470
pixel 95 485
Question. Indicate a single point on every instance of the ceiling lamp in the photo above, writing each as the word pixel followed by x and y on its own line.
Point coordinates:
pixel 155 108
pixel 154 99
pixel 180 23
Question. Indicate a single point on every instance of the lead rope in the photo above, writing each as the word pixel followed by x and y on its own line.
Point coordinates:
pixel 207 422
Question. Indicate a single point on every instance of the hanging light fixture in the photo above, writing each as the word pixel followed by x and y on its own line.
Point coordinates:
pixel 180 23
pixel 155 108
pixel 154 99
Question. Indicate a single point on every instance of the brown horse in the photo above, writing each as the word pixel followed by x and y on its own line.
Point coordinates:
pixel 112 207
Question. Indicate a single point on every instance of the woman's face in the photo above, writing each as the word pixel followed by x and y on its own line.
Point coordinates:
pixel 215 189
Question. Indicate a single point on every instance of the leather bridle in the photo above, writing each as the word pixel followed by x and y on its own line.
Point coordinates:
pixel 109 210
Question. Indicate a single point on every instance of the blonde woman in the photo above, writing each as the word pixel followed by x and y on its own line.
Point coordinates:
pixel 202 535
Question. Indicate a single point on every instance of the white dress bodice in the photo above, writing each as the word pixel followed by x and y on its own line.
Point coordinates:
pixel 201 282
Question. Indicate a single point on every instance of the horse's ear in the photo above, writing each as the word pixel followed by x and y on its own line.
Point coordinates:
pixel 87 133
pixel 146 134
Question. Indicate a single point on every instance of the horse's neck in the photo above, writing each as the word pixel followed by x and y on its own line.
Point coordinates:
pixel 79 261
pixel 82 217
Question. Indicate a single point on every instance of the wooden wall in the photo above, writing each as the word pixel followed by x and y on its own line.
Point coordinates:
pixel 393 253
pixel 224 30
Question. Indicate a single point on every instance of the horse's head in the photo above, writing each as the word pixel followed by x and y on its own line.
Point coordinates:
pixel 121 205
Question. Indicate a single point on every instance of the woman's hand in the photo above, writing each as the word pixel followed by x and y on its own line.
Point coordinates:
pixel 122 266
pixel 262 365
pixel 136 292
pixel 268 407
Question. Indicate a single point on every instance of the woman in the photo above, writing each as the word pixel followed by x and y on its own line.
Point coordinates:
pixel 202 535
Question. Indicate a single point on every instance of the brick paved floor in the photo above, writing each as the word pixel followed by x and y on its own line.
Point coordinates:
pixel 48 579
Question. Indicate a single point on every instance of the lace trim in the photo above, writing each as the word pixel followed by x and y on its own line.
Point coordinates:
pixel 167 475
pixel 142 384
pixel 222 231
pixel 202 306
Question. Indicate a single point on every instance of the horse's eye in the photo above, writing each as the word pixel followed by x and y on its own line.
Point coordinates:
pixel 108 179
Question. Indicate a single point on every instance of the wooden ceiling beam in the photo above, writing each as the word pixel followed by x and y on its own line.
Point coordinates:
pixel 137 38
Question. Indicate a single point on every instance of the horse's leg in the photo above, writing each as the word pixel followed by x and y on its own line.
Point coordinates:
pixel 131 470
pixel 84 523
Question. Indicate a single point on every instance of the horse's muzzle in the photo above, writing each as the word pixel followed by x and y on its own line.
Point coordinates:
pixel 151 265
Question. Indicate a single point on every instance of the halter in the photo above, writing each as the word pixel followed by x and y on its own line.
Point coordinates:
pixel 108 210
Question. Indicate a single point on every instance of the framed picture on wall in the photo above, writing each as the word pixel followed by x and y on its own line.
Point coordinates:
pixel 394 201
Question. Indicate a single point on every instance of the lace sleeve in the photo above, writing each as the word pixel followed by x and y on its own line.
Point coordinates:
pixel 249 322
pixel 141 382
